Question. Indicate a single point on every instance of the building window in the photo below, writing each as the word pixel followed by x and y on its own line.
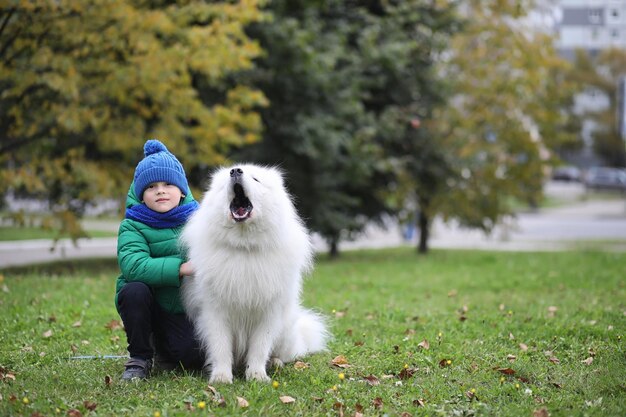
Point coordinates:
pixel 595 16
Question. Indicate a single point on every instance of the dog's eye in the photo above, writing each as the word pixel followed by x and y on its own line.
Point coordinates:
pixel 256 180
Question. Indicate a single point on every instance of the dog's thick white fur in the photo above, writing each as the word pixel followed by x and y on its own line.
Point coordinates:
pixel 249 249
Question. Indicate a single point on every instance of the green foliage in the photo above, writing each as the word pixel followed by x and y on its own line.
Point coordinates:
pixel 336 73
pixel 505 113
pixel 602 73
pixel 475 309
pixel 84 84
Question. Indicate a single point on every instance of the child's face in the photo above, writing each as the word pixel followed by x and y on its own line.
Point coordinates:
pixel 162 196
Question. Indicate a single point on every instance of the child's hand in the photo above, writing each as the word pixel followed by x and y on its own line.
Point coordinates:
pixel 185 269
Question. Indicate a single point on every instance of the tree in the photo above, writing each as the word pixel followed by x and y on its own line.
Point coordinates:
pixel 316 127
pixel 601 74
pixel 84 84
pixel 334 74
pixel 403 89
pixel 492 139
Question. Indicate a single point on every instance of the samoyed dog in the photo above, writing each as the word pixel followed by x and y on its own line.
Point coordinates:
pixel 249 250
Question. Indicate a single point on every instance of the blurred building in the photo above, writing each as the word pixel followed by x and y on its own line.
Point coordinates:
pixel 592 25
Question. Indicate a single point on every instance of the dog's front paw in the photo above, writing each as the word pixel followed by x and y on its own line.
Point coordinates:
pixel 276 362
pixel 221 378
pixel 257 375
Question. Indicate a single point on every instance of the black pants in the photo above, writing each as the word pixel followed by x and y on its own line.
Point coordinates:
pixel 150 328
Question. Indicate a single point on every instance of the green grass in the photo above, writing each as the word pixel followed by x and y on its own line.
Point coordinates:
pixel 474 309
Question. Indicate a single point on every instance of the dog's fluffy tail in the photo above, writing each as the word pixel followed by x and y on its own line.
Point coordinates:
pixel 307 335
pixel 313 331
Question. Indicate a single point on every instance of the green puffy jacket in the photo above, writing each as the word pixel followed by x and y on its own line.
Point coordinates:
pixel 152 256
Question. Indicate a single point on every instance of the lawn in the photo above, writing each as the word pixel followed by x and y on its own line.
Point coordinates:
pixel 454 333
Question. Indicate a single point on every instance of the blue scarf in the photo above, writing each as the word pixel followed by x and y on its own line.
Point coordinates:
pixel 173 218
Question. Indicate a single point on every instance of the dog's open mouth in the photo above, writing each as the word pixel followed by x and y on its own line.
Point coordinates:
pixel 240 207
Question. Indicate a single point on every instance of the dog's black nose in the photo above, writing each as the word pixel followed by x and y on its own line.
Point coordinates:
pixel 236 172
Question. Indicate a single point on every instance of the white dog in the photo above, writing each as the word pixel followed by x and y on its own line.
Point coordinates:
pixel 249 249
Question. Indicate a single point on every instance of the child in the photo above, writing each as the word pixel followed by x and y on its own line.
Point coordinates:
pixel 148 298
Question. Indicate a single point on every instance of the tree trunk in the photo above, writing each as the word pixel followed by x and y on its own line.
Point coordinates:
pixel 423 224
pixel 334 249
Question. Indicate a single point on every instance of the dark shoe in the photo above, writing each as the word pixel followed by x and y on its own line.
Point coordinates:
pixel 137 368
pixel 162 364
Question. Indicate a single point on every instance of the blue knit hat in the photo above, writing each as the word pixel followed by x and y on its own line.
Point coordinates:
pixel 159 165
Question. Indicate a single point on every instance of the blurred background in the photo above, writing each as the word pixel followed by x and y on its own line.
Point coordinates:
pixel 424 122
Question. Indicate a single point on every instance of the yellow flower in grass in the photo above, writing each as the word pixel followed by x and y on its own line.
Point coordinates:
pixel 201 405
pixel 342 376
pixel 276 384
pixel 25 400
pixel 157 414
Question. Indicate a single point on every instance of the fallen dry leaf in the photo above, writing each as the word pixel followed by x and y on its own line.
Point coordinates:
pixel 90 405
pixel 114 325
pixel 511 358
pixel 242 402
pixel 212 390
pixel 542 412
pixel 74 413
pixel 554 359
pixel 445 362
pixel 407 373
pixel 77 324
pixel 505 371
pixel 6 375
pixel 588 361
pixel 552 311
pixel 372 380
pixel 107 380
pixel 424 344
pixel 340 361
pixel 523 347
pixel 419 403
pixel 452 293
pixel 47 334
pixel 377 403
pixel 286 399
pixel 301 365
